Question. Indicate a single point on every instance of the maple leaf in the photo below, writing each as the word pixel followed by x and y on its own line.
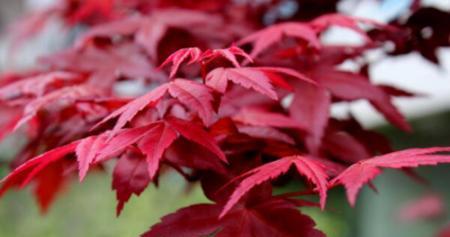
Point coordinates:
pixel 228 53
pixel 195 55
pixel 263 39
pixel 23 174
pixel 421 31
pixel 195 22
pixel 86 152
pixel 265 133
pixel 258 117
pixel 125 26
pixel 46 170
pixel 194 95
pixel 63 96
pixel 309 167
pixel 311 116
pixel 153 145
pixel 354 177
pixel 180 56
pixel 374 142
pixel 345 147
pixel 270 217
pixel 7 127
pixel 49 183
pixel 185 153
pixel 152 140
pixel 96 149
pixel 247 77
pixel 195 133
pixel 428 19
pixel 397 92
pixel 105 65
pixel 351 86
pixel 322 23
pixel 288 72
pixel 149 30
pixel 37 85
pixel 130 176
pixel 128 111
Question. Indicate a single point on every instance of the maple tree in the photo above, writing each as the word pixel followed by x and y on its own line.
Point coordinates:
pixel 228 99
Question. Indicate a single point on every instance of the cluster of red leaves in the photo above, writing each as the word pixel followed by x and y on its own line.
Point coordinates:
pixel 240 105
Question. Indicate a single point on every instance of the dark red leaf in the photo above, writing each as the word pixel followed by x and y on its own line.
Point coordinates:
pixel 130 176
pixel 311 116
pixel 196 134
pixel 259 117
pixel 274 217
pixel 351 86
pixel 345 147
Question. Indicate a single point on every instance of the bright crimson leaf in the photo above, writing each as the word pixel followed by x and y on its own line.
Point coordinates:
pixel 245 76
pixel 193 54
pixel 196 134
pixel 37 85
pixel 66 95
pixel 153 145
pixel 45 170
pixel 354 177
pixel 228 53
pixel 194 95
pixel 263 39
pixel 116 144
pixel 308 167
pixel 128 111
pixel 86 152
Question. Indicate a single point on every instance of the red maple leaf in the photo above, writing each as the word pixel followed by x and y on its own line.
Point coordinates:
pixel 266 217
pixel 130 176
pixel 310 168
pixel 364 171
